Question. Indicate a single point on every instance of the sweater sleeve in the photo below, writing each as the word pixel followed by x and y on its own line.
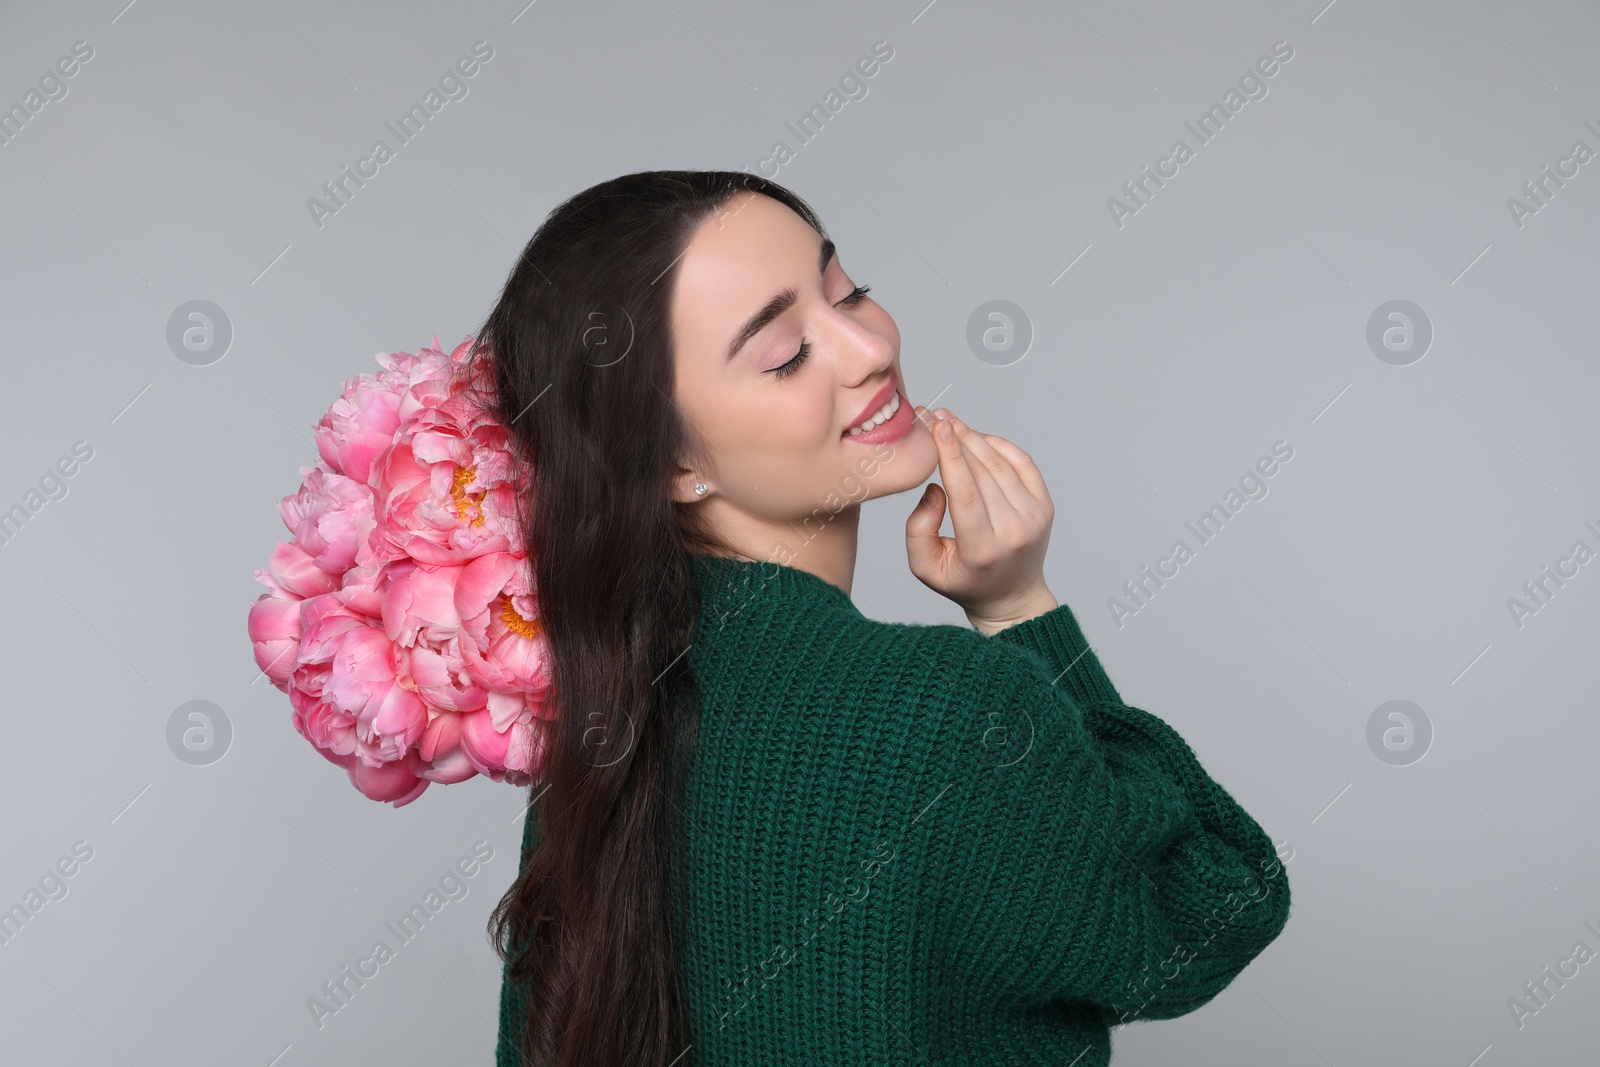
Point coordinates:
pixel 1085 856
pixel 1057 639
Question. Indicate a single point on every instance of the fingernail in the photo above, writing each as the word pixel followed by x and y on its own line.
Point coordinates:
pixel 946 431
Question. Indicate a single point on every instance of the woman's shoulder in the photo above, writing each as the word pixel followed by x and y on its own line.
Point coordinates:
pixel 949 651
pixel 920 662
pixel 950 675
pixel 779 622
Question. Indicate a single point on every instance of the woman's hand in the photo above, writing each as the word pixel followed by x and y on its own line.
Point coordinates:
pixel 1001 511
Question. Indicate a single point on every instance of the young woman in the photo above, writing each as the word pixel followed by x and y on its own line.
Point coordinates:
pixel 773 830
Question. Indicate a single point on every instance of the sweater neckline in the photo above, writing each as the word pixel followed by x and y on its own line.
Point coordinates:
pixel 728 574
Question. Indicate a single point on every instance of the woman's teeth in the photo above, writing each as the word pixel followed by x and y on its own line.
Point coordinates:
pixel 884 414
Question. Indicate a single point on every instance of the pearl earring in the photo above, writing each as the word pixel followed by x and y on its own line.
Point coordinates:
pixel 700 488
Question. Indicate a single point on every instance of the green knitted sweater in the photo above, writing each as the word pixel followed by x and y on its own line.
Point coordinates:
pixel 917 844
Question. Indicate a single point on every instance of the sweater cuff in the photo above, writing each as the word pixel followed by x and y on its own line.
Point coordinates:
pixel 1057 638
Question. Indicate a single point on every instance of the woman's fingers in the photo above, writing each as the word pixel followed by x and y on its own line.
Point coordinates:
pixel 1022 464
pixel 997 466
pixel 968 513
pixel 996 504
pixel 1025 468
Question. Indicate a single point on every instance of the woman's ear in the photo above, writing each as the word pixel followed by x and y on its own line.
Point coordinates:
pixel 684 484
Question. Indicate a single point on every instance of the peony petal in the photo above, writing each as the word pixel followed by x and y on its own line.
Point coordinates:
pixel 481 581
pixel 396 782
pixel 441 735
pixel 452 767
pixel 293 569
pixel 482 743
pixel 424 597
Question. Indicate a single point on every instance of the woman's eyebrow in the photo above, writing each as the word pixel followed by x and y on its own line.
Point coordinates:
pixel 777 305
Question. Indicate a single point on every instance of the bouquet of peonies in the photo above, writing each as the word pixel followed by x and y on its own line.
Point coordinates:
pixel 400 618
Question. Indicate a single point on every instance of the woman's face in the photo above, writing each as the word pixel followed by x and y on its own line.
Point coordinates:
pixel 752 291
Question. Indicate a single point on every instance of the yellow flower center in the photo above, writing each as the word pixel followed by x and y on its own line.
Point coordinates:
pixel 529 628
pixel 463 499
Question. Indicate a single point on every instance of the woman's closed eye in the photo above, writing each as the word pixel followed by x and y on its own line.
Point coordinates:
pixel 793 365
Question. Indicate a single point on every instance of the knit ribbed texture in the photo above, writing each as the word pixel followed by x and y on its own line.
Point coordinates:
pixel 917 844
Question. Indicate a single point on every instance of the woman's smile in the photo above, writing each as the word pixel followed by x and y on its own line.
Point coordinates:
pixel 889 429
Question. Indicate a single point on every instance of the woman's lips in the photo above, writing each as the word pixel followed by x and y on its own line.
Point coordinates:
pixel 898 425
pixel 875 404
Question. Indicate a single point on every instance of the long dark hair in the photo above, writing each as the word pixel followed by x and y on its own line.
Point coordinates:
pixel 581 346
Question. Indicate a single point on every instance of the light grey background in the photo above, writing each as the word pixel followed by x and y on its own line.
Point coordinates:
pixel 1229 313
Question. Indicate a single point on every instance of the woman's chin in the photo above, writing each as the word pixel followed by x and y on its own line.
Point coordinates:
pixel 887 469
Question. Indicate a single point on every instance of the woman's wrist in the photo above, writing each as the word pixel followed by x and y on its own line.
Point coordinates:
pixel 1031 605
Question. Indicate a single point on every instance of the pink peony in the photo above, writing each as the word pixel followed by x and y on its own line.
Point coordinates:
pixel 399 617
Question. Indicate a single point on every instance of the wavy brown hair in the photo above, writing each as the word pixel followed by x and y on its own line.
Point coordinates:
pixel 582 360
